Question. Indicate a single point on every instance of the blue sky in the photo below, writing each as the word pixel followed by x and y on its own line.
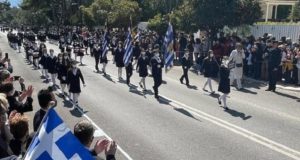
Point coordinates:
pixel 15 3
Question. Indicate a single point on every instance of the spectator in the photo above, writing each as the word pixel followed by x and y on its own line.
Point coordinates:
pixel 19 128
pixel 237 57
pixel 84 131
pixel 298 66
pixel 4 131
pixel 14 104
pixel 46 100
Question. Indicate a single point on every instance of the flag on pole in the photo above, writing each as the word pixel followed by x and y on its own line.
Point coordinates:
pixel 128 48
pixel 105 45
pixel 54 140
pixel 137 37
pixel 168 47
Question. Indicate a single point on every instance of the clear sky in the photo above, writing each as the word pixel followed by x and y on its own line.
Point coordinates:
pixel 15 3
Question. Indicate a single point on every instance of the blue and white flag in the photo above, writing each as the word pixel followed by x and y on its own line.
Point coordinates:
pixel 128 49
pixel 54 140
pixel 168 47
pixel 137 37
pixel 105 45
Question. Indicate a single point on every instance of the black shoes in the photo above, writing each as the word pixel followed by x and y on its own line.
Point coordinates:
pixel 219 101
pixel 181 81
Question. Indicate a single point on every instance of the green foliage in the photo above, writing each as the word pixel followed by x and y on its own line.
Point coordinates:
pixel 158 24
pixel 295 13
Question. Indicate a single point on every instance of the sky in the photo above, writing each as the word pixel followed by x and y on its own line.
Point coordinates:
pixel 15 3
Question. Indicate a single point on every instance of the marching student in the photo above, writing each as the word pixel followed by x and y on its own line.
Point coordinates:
pixel 43 63
pixel 73 79
pixel 63 65
pixel 186 65
pixel 128 69
pixel 119 55
pixel 76 49
pixel 97 53
pixel 209 63
pixel 142 68
pixel 103 59
pixel 224 83
pixel 157 65
pixel 81 52
pixel 52 69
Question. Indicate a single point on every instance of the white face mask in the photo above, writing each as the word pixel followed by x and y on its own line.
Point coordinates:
pixel 211 55
pixel 157 54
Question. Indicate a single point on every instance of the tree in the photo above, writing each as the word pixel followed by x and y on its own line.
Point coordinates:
pixel 295 13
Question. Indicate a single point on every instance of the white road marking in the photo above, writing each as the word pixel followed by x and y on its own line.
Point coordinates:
pixel 93 123
pixel 292 153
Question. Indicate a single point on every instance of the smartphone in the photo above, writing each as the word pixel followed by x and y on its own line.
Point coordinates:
pixel 6 55
pixel 16 78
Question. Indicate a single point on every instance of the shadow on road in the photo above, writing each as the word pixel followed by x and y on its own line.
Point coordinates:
pixel 288 96
pixel 247 91
pixel 235 113
pixel 108 77
pixel 186 113
pixel 192 87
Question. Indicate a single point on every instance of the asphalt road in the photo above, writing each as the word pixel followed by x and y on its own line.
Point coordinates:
pixel 187 123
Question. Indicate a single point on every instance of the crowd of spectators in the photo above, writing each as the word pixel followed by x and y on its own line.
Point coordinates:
pixel 15 128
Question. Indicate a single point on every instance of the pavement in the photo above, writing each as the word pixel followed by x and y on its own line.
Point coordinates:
pixel 186 123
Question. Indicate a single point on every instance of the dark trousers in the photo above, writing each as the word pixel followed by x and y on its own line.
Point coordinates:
pixel 257 70
pixel 185 76
pixel 128 73
pixel 97 63
pixel 157 83
pixel 272 79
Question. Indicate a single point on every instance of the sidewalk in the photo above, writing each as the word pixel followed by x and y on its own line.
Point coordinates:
pixel 290 87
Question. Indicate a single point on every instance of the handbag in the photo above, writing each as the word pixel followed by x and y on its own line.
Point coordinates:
pixel 239 65
pixel 231 64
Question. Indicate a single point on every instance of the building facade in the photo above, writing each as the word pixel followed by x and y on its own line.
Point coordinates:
pixel 276 10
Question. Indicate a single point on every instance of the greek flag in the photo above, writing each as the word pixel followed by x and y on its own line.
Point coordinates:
pixel 54 140
pixel 105 45
pixel 168 47
pixel 128 49
pixel 137 37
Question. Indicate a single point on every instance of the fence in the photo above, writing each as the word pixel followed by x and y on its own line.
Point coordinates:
pixel 278 31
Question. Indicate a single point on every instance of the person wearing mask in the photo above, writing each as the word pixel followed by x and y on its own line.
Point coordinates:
pixel 224 83
pixel 157 65
pixel 103 58
pixel 186 64
pixel 142 68
pixel 209 64
pixel 52 69
pixel 43 63
pixel 63 65
pixel 274 60
pixel 119 55
pixel 237 56
pixel 182 45
pixel 73 79
pixel 97 53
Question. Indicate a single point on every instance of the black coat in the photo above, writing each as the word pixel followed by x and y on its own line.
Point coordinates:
pixel 74 81
pixel 18 106
pixel 51 63
pixel 136 51
pixel 119 55
pixel 156 67
pixel 274 58
pixel 209 67
pixel 186 63
pixel 142 66
pixel 62 70
pixel 97 52
pixel 224 84
pixel 43 62
pixel 37 119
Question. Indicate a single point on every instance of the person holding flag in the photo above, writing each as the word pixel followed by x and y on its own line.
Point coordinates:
pixel 103 56
pixel 168 48
pixel 128 57
pixel 97 54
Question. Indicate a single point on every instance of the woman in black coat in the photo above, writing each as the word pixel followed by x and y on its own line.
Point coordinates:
pixel 73 79
pixel 119 55
pixel 142 69
pixel 103 58
pixel 52 68
pixel 209 64
pixel 224 85
pixel 63 65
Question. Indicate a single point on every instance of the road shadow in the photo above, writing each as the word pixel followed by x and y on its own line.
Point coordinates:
pixel 76 113
pixel 134 89
pixel 244 90
pixel 215 95
pixel 235 113
pixel 149 92
pixel 186 113
pixel 163 100
pixel 67 104
pixel 164 82
pixel 122 81
pixel 192 87
pixel 287 95
pixel 108 77
pixel 82 65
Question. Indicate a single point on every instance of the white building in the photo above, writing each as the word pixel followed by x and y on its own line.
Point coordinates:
pixel 276 9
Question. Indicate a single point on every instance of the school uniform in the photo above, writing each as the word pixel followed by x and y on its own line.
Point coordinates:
pixel 51 63
pixel 224 83
pixel 119 55
pixel 142 65
pixel 73 79
pixel 157 65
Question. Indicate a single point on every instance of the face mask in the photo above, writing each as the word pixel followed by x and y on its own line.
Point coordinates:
pixel 157 54
pixel 211 55
pixel 74 66
pixel 11 93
